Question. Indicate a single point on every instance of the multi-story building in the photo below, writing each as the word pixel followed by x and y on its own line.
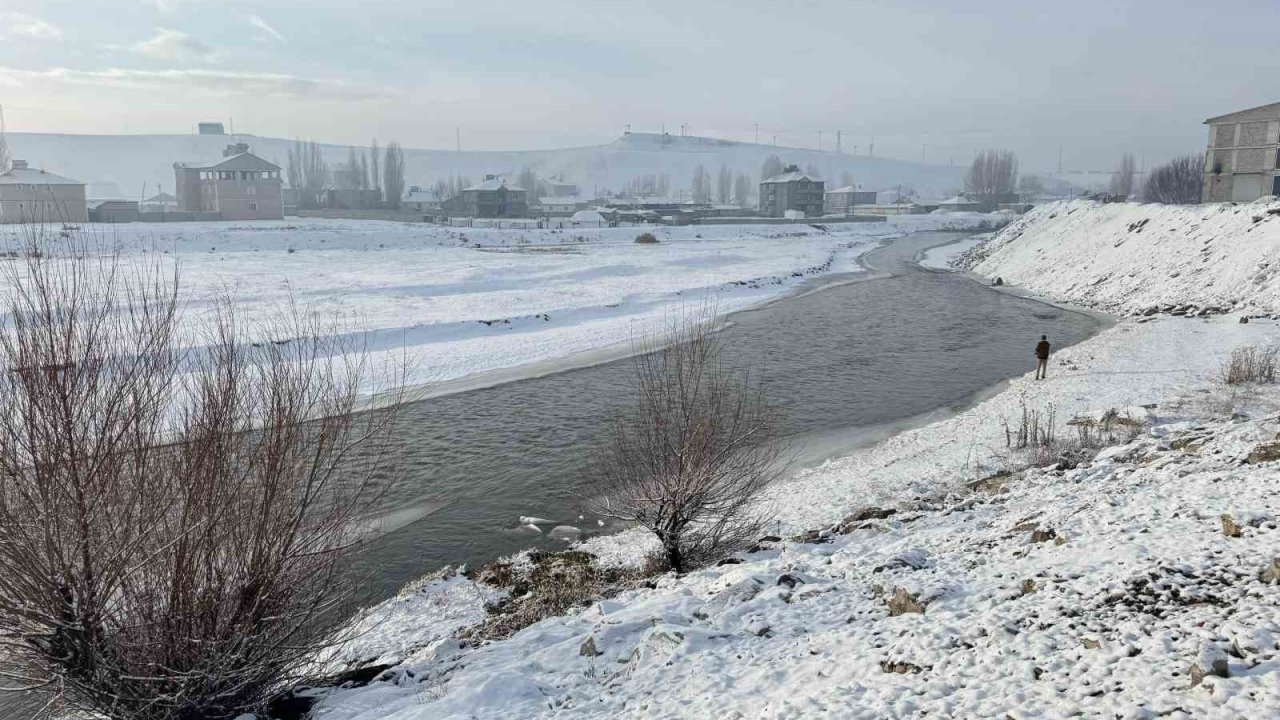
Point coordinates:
pixel 31 195
pixel 791 190
pixel 846 200
pixel 492 198
pixel 1243 161
pixel 240 186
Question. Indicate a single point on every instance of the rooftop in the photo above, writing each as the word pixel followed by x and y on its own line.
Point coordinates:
pixel 20 174
pixel 793 176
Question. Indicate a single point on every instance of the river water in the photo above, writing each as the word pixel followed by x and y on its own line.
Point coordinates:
pixel 849 354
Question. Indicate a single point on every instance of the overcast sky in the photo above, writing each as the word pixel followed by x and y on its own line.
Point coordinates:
pixel 932 78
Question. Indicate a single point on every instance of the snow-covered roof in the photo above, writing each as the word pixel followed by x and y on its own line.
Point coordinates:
pixel 793 176
pixel 850 189
pixel 163 197
pixel 240 161
pixel 958 200
pixel 494 184
pixel 588 216
pixel 559 200
pixel 32 176
pixel 419 196
pixel 1260 110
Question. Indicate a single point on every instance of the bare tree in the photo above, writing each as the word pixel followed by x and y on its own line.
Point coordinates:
pixel 1178 182
pixel 690 458
pixel 772 166
pixel 375 176
pixel 992 176
pixel 6 158
pixel 528 180
pixel 393 173
pixel 742 190
pixel 172 521
pixel 1122 178
pixel 700 188
pixel 724 185
pixel 307 172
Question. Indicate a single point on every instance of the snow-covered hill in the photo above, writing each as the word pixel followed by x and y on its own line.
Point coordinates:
pixel 1129 258
pixel 130 161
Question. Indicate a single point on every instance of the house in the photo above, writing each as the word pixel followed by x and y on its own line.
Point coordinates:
pixel 161 202
pixel 419 200
pixel 791 190
pixel 113 211
pixel 492 198
pixel 1243 160
pixel 557 188
pixel 560 205
pixel 240 186
pixel 31 195
pixel 959 204
pixel 843 201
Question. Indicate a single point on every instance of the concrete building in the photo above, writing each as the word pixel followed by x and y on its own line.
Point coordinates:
pixel 492 198
pixel 846 200
pixel 161 202
pixel 567 205
pixel 1243 160
pixel 960 204
pixel 31 195
pixel 113 211
pixel 791 190
pixel 240 186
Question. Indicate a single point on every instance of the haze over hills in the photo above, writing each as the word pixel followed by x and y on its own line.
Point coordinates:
pixel 140 164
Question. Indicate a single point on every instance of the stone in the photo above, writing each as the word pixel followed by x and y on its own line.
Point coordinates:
pixel 1212 661
pixel 904 602
pixel 729 561
pixel 1266 452
pixel 789 580
pixel 1271 573
pixel 900 667
pixel 1244 320
pixel 1229 526
pixel 998 281
pixel 770 539
pixel 1039 536
pixel 1090 644
pixel 1028 586
pixel 588 648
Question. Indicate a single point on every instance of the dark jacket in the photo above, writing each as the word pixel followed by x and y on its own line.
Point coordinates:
pixel 1042 349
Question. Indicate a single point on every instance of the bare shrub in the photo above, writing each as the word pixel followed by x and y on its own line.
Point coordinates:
pixel 172 521
pixel 1250 364
pixel 689 459
pixel 646 239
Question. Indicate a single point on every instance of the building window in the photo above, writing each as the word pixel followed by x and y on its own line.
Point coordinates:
pixel 253 205
pixel 251 190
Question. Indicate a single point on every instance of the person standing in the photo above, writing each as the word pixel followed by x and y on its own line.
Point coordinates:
pixel 1042 358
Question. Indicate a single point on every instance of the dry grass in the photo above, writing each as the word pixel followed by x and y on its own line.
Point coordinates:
pixel 1250 364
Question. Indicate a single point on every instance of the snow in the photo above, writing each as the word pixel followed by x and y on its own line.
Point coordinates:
pixel 1127 257
pixel 1090 591
pixel 940 258
pixel 467 302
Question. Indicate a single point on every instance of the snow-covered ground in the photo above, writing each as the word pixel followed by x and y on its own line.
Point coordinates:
pixel 1129 257
pixel 1088 592
pixel 468 301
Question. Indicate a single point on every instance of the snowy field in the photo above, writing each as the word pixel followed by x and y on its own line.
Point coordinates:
pixel 465 302
pixel 1106 590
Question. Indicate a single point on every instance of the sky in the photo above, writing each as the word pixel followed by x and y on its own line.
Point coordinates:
pixel 936 80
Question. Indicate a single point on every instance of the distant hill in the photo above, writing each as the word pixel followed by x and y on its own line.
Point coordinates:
pixel 130 161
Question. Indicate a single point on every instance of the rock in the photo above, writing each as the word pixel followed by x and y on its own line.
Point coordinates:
pixel 1271 573
pixel 1211 661
pixel 1266 452
pixel 789 580
pixel 813 537
pixel 1039 536
pixel 1150 311
pixel 588 648
pixel 1244 320
pixel 1229 526
pixel 900 667
pixel 729 561
pixel 998 281
pixel 769 539
pixel 904 602
pixel 1090 644
pixel 1028 586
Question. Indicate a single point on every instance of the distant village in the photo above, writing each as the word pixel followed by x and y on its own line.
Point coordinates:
pixel 1242 163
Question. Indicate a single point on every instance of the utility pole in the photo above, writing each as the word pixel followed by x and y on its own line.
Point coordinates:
pixel 839 149
pixel 757 133
pixel 872 151
pixel 457 139
pixel 1059 161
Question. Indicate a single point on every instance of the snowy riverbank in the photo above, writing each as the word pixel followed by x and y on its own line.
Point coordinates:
pixel 1046 592
pixel 475 302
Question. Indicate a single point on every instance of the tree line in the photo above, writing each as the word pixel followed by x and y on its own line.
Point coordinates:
pixel 378 177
